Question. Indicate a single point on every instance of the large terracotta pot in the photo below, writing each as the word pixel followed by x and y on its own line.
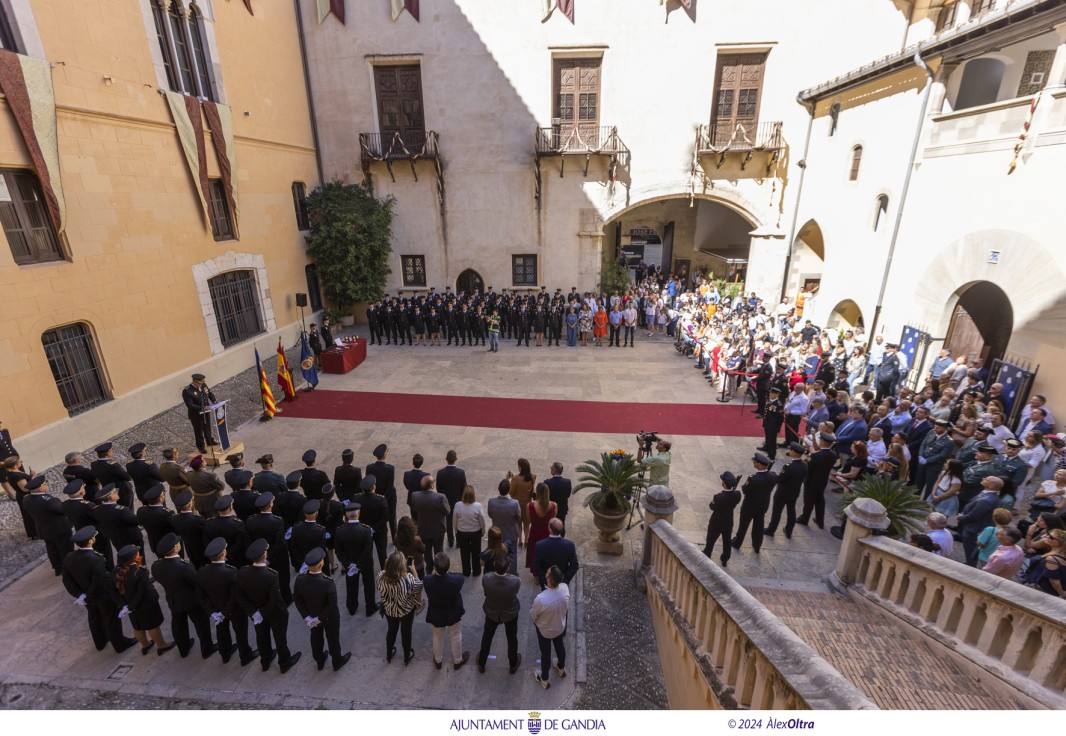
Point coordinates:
pixel 609 525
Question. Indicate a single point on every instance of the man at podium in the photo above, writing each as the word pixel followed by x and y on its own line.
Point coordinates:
pixel 198 398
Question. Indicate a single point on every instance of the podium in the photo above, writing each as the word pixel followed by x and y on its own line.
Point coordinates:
pixel 216 454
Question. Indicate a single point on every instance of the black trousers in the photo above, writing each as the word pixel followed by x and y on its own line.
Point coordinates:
pixel 449 529
pixel 433 546
pixel 469 552
pixel 179 629
pixel 756 518
pixel 554 334
pixel 233 628
pixel 523 334
pixel 201 429
pixel 58 548
pixel 786 504
pixel 770 434
pixel 326 634
pixel 511 630
pixel 792 427
pixel 390 498
pixel 105 625
pixel 27 521
pixel 814 501
pixel 403 625
pixel 762 393
pixel 381 542
pixel 713 533
pixel 277 627
pixel 284 577
pixel 615 335
pixel 351 589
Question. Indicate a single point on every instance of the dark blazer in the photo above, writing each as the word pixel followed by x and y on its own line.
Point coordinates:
pixel 268 480
pixel 214 588
pixel 257 589
pixel 722 506
pixel 757 490
pixel 354 544
pixel 555 551
pixel 977 514
pixel 305 537
pixel 560 489
pixel 385 478
pixel 346 479
pixel 820 466
pixel 312 482
pixel 144 474
pixel 790 481
pixel 85 572
pixel 501 596
pixel 290 507
pixel 120 524
pixel 451 481
pixel 374 512
pixel 190 527
pixel 156 522
pixel 444 595
pixel 316 595
pixel 232 530
pixel 412 481
pixel 48 516
pixel 272 529
pixel 80 513
pixel 915 437
pixel 244 503
pixel 432 509
pixel 80 472
pixel 178 579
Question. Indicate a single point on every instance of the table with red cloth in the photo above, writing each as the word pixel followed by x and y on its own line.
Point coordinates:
pixel 342 360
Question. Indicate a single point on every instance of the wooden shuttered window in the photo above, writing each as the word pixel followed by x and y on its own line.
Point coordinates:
pixel 25 219
pixel 399 97
pixel 576 101
pixel 737 89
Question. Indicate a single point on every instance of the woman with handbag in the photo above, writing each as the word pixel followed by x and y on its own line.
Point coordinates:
pixel 400 591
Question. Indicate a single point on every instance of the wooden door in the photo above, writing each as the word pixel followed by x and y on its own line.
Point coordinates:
pixel 399 96
pixel 737 89
pixel 576 87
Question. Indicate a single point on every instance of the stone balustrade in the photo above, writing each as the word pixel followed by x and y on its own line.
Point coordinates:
pixel 1016 632
pixel 721 648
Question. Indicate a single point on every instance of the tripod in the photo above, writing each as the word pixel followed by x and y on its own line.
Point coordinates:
pixel 635 503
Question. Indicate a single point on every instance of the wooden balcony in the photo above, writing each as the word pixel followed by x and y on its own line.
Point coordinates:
pixel 587 141
pixel 375 147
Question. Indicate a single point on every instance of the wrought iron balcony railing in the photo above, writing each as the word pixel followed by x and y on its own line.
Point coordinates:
pixel 415 147
pixel 589 140
pixel 718 138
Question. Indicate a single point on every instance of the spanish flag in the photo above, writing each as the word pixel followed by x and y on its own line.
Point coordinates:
pixel 269 408
pixel 284 376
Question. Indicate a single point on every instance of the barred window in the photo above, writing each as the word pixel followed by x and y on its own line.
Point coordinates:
pixel 299 203
pixel 414 270
pixel 236 301
pixel 25 218
pixel 221 223
pixel 524 270
pixel 75 367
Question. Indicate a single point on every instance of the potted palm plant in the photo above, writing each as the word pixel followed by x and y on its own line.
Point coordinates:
pixel 906 511
pixel 615 477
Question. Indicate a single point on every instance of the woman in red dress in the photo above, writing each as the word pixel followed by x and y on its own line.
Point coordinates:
pixel 599 325
pixel 541 511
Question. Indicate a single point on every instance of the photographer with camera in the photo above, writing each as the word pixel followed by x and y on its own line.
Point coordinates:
pixel 658 465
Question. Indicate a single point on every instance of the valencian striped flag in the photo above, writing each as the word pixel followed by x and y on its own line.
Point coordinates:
pixel 284 375
pixel 269 408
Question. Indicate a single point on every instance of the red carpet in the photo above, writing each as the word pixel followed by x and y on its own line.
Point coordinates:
pixel 544 415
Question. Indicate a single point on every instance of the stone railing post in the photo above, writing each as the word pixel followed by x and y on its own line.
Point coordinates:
pixel 658 503
pixel 864 516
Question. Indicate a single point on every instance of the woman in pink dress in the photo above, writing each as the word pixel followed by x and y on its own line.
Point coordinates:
pixel 541 511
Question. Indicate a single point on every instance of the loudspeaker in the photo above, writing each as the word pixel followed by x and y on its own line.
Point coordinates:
pixel 301 300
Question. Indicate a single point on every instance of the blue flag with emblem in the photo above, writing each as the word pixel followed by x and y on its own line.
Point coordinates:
pixel 307 362
pixel 908 344
pixel 1013 379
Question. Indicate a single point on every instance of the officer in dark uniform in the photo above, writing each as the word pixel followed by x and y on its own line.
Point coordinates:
pixel 555 322
pixel 290 505
pixel 81 513
pixel 385 482
pixel 315 596
pixel 227 525
pixel 789 485
pixel 986 463
pixel 385 317
pixel 52 524
pixel 86 578
pixel 375 514
pixel 763 375
pixel 756 490
pixel 107 471
pixel 243 495
pixel 312 478
pixel 354 544
pixel 403 323
pixel 462 324
pixel 433 326
pixel 331 516
pixel 144 474
pixel 76 470
pixel 267 479
pixel 198 397
pixel 258 594
pixel 780 380
pixel 721 522
pixel 178 579
pixel 266 525
pixel 117 520
pixel 374 323
pixel 1010 465
pixel 819 468
pixel 189 526
pixel 214 589
pixel 772 419
pixel 307 534
pixel 154 516
pixel 346 477
pixel 236 462
pixel 524 323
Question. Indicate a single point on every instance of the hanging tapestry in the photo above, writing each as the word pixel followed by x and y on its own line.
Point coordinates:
pixel 186 114
pixel 220 123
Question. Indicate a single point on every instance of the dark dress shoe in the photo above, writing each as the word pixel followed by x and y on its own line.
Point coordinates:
pixel 837 531
pixel 437 664
pixel 163 650
pixel 351 611
pixel 227 654
pixel 408 657
pixel 390 654
pixel 252 655
pixel 185 652
pixel 735 545
pixel 461 662
pixel 148 648
pixel 342 661
pixel 126 644
pixel 517 664
pixel 321 663
pixel 372 609
pixel 267 661
pixel 289 665
pixel 210 650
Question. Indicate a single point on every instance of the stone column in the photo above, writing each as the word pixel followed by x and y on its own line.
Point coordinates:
pixel 766 263
pixel 864 516
pixel 590 250
pixel 963 13
pixel 938 96
pixel 658 503
pixel 1056 78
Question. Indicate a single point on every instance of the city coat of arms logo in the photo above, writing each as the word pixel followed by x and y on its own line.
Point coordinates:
pixel 534 722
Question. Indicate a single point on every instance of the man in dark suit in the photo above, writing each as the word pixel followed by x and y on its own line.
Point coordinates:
pixel 444 593
pixel 412 480
pixel 108 471
pixel 506 516
pixel 81 513
pixel 214 588
pixel 557 551
pixel 916 432
pixel 76 470
pixel 265 525
pixel 225 524
pixel 559 489
pixel 312 478
pixel 117 520
pixel 385 481
pixel 178 579
pixel 86 578
pixel 451 481
pixel 290 504
pixel 432 509
pixel 756 490
pixel 236 462
pixel 354 545
pixel 268 480
pixel 818 469
pixel 315 596
pixel 144 474
pixel 258 594
pixel 306 535
pixel 197 398
pixel 374 512
pixel 976 515
pixel 243 495
pixel 789 485
pixel 154 517
pixel 721 522
pixel 189 526
pixel 346 477
pixel 52 524
pixel 501 607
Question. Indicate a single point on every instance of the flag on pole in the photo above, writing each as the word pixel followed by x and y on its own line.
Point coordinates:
pixel 307 362
pixel 285 375
pixel 269 408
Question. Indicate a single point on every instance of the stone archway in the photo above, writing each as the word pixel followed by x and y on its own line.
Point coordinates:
pixel 845 313
pixel 981 322
pixel 469 281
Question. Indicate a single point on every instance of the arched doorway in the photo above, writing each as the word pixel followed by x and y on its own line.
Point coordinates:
pixel 981 322
pixel 469 281
pixel 845 314
pixel 807 260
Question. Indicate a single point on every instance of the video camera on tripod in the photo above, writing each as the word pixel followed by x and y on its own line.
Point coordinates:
pixel 647 441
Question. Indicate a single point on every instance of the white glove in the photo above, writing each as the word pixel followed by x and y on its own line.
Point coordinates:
pixel 80 600
pixel 218 618
pixel 303 569
pixel 311 622
pixel 352 570
pixel 124 612
pixel 288 534
pixel 257 618
pixel 328 535
pixel 922 460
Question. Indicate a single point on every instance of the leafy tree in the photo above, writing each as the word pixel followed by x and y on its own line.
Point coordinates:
pixel 351 239
pixel 614 277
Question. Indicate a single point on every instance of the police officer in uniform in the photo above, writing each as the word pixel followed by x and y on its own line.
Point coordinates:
pixel 374 512
pixel 52 524
pixel 385 482
pixel 290 505
pixel 935 449
pixel 354 545
pixel 985 463
pixel 346 477
pixel 1010 465
pixel 307 534
pixel 117 520
pixel 154 516
pixel 312 478
pixel 76 470
pixel 144 474
pixel 789 485
pixel 86 578
pixel 773 418
pixel 198 397
pixel 81 513
pixel 763 376
pixel 107 471
pixel 315 596
pixel 266 525
pixel 818 470
pixel 225 523
pixel 721 522
pixel 214 589
pixel 189 526
pixel 259 595
pixel 243 495
pixel 267 479
pixel 178 579
pixel 756 490
pixel 236 462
